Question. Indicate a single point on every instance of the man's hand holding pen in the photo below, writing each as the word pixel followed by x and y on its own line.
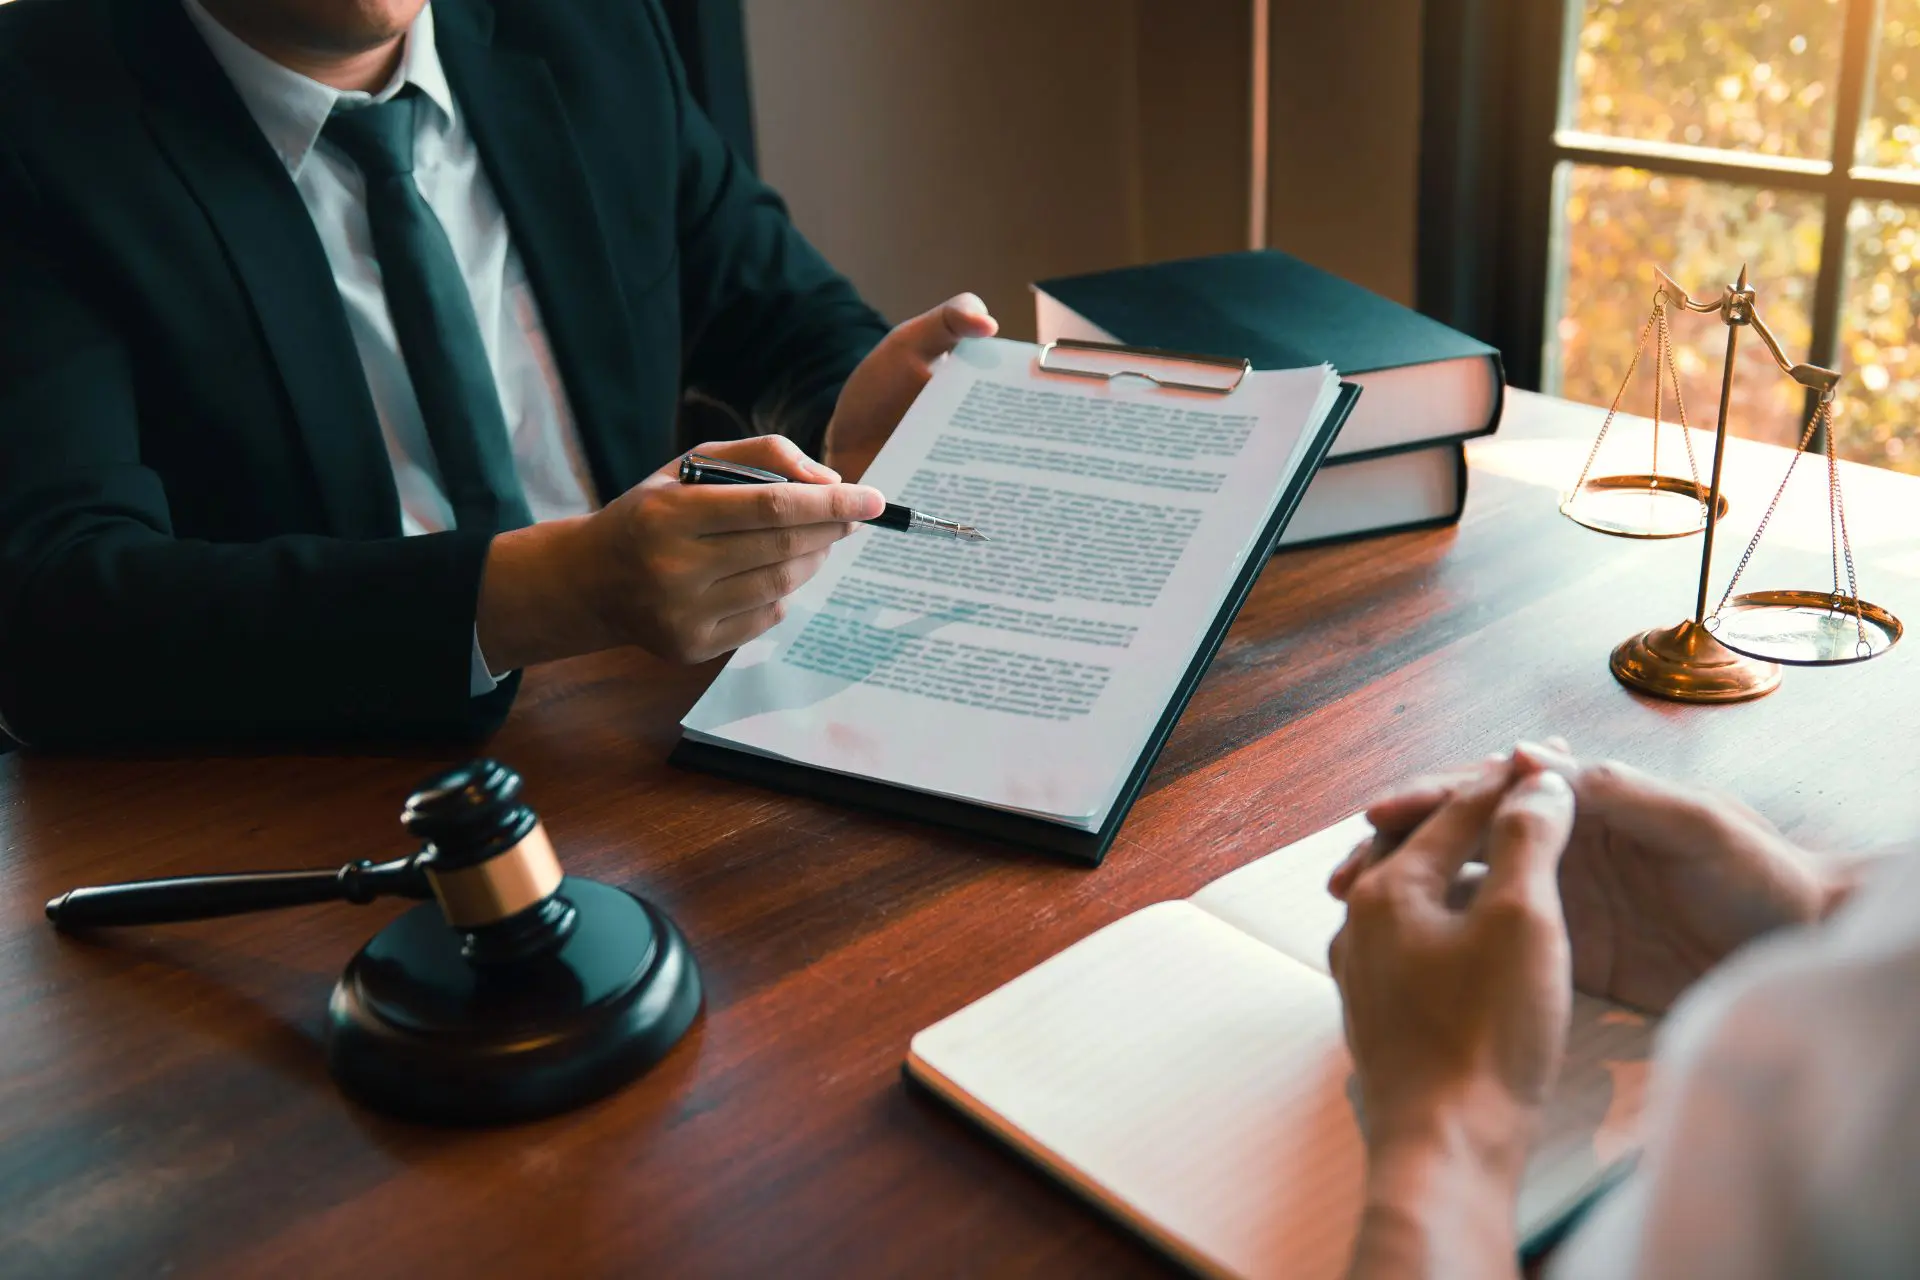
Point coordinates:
pixel 685 572
pixel 689 571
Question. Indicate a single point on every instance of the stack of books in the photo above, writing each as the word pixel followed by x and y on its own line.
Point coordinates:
pixel 1399 462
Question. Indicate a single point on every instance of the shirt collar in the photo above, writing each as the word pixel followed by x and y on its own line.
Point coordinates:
pixel 292 109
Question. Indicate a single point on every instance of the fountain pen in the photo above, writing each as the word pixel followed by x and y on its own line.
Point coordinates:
pixel 698 468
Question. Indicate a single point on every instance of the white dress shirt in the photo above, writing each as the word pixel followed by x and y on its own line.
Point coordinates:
pixel 291 110
pixel 1784 1126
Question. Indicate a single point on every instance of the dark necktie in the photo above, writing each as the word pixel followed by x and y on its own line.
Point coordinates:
pixel 433 318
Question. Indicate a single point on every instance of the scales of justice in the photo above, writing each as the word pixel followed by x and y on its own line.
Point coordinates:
pixel 1736 651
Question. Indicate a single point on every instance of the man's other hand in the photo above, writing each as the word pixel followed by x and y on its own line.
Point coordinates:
pixel 687 572
pixel 886 382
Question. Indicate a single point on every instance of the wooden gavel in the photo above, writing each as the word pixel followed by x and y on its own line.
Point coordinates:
pixel 519 993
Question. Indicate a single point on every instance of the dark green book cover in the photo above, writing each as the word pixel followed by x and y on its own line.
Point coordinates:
pixel 1282 313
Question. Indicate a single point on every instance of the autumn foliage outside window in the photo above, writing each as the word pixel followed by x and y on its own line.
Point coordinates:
pixel 1700 135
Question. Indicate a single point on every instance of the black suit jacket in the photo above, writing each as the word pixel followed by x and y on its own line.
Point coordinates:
pixel 199 533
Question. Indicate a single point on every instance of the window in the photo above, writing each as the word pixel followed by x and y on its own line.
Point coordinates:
pixel 1697 135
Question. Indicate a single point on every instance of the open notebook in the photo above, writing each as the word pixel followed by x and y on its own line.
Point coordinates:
pixel 1185 1069
pixel 1024 686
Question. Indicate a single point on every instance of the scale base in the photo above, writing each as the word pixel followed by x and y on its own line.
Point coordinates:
pixel 419 1032
pixel 1686 664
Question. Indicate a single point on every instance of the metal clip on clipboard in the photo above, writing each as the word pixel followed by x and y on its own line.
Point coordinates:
pixel 1105 361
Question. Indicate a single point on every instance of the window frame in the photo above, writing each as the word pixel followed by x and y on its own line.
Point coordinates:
pixel 1493 70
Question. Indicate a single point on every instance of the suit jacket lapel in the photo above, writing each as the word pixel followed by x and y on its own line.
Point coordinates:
pixel 510 104
pixel 200 122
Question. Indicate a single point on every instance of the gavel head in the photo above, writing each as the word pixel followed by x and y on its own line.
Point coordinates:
pixel 492 868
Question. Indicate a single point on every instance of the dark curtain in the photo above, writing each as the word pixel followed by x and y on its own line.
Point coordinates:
pixel 1489 104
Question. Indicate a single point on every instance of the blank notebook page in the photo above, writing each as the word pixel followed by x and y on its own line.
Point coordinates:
pixel 1282 898
pixel 1186 1069
pixel 1190 1079
pixel 1592 1119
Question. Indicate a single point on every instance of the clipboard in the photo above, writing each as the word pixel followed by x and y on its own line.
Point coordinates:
pixel 1074 359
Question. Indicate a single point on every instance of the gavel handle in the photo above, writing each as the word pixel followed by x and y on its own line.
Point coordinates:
pixel 205 897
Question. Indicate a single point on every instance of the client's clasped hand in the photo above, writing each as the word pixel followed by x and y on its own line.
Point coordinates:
pixel 1456 1015
pixel 1457 988
pixel 1659 882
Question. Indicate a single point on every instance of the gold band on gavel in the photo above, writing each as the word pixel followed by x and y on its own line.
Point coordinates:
pixel 502 885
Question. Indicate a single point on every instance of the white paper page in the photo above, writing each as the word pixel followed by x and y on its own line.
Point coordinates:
pixel 1024 673
pixel 1192 1081
pixel 1282 900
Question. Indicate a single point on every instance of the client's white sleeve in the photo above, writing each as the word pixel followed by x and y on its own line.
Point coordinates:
pixel 1783 1131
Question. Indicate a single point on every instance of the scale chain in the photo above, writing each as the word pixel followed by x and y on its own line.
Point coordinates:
pixel 1833 514
pixel 1666 371
pixel 1806 437
pixel 1839 540
pixel 1679 404
pixel 1660 358
pixel 1625 382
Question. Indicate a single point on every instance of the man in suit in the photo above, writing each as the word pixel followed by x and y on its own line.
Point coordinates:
pixel 341 343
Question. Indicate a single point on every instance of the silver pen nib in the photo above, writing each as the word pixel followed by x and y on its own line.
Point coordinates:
pixel 921 522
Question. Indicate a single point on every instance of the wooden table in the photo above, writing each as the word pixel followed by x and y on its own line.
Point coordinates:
pixel 163 1105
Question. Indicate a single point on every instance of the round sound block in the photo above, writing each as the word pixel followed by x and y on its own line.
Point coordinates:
pixel 417 1031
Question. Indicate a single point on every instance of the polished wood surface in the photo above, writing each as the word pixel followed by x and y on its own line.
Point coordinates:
pixel 163 1104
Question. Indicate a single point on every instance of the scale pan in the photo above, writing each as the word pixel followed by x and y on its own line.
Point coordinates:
pixel 1805 628
pixel 1641 506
